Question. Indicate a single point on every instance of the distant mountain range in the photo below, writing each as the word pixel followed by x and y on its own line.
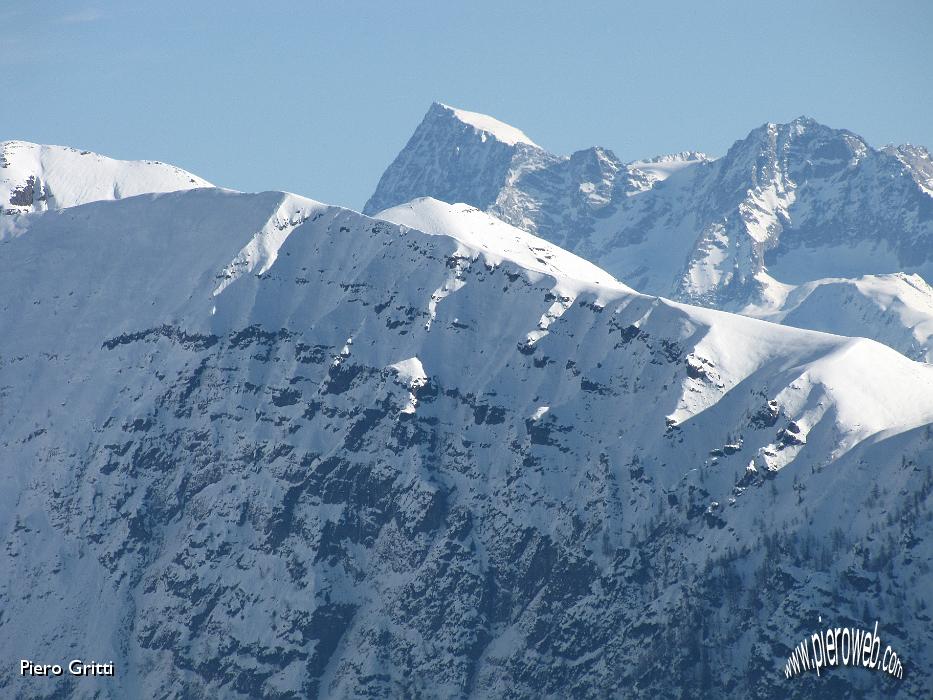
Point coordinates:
pixel 790 209
pixel 254 445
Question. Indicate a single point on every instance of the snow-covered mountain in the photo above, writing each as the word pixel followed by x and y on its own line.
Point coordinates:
pixel 455 156
pixel 461 157
pixel 662 167
pixel 302 452
pixel 34 177
pixel 791 204
pixel 918 161
pixel 894 309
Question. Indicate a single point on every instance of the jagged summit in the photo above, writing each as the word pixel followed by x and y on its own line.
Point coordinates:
pixel 36 177
pixel 801 122
pixel 802 137
pixel 460 156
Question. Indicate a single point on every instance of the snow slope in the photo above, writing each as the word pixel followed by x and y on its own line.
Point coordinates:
pixel 302 452
pixel 896 310
pixel 37 178
pixel 500 131
pixel 481 233
pixel 662 167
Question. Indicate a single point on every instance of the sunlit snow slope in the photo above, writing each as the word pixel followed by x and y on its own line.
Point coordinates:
pixel 37 178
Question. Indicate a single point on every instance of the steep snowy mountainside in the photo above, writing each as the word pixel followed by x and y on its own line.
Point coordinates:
pixel 35 177
pixel 303 452
pixel 918 161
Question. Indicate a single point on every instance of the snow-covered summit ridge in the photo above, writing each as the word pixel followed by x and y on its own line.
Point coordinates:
pixel 480 233
pixel 395 431
pixel 35 177
pixel 501 131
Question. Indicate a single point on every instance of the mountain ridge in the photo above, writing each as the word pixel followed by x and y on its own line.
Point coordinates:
pixel 318 453
pixel 36 177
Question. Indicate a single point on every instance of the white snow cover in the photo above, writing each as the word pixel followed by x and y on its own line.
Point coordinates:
pixel 874 390
pixel 480 233
pixel 37 177
pixel 895 309
pixel 662 167
pixel 410 373
pixel 260 253
pixel 499 130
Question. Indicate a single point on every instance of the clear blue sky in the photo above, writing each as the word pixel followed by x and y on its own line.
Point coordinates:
pixel 318 97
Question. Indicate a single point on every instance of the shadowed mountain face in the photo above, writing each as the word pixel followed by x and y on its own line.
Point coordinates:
pixel 301 452
pixel 453 161
pixel 790 205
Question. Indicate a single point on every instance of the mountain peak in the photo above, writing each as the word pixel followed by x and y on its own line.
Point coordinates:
pixel 37 177
pixel 804 120
pixel 797 126
pixel 455 156
pixel 798 142
pixel 500 131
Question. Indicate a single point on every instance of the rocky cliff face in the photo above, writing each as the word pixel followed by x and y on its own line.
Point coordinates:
pixel 560 198
pixel 258 446
pixel 454 158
